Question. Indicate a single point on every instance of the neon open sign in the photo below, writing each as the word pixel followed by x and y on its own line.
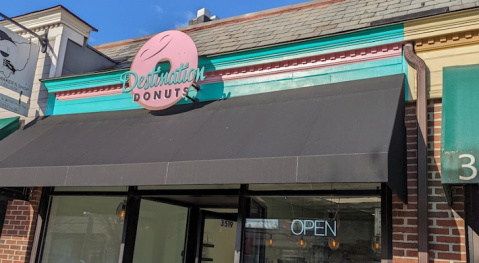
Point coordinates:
pixel 321 228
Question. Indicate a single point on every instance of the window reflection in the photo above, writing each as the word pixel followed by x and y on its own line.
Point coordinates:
pixel 83 229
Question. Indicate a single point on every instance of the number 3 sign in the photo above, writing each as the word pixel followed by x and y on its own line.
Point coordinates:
pixel 469 166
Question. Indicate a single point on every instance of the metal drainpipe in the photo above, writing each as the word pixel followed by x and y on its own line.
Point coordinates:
pixel 421 114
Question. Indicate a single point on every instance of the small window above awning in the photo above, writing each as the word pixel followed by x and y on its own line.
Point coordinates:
pixel 344 132
pixel 8 126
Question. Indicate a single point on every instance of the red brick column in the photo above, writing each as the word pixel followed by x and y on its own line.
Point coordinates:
pixel 16 240
pixel 446 224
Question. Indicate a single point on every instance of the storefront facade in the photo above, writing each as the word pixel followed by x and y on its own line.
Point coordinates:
pixel 283 150
pixel 169 228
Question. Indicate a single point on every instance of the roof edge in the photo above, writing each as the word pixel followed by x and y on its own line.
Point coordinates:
pixel 53 8
pixel 229 20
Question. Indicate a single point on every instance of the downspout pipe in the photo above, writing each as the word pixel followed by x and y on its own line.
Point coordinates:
pixel 422 185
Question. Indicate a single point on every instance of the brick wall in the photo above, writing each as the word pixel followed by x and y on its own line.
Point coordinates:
pixel 16 240
pixel 446 224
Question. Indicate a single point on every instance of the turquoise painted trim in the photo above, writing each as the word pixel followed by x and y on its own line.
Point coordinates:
pixel 245 87
pixel 83 82
pixel 50 104
pixel 355 40
pixel 315 77
pixel 96 104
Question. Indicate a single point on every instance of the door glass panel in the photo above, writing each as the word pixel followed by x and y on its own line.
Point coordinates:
pixel 160 235
pixel 219 241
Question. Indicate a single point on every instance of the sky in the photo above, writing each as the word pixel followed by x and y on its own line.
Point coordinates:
pixel 124 19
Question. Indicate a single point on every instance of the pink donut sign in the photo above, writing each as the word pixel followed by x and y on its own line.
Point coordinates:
pixel 153 88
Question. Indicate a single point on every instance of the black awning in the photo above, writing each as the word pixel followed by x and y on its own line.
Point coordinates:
pixel 345 132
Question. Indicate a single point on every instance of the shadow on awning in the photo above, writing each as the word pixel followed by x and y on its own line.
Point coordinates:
pixel 345 132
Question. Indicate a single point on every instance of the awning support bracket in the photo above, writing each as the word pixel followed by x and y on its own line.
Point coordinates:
pixel 194 100
pixel 448 193
pixel 197 88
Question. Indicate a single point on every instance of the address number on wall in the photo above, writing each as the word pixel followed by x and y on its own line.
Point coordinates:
pixel 469 165
pixel 226 223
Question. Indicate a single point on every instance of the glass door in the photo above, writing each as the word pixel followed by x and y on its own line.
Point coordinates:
pixel 218 237
pixel 161 232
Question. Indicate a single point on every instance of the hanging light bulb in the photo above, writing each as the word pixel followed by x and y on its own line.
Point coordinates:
pixel 333 243
pixel 270 241
pixel 376 244
pixel 301 243
pixel 121 211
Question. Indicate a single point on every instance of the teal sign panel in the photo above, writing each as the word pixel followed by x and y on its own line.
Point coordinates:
pixel 460 125
pixel 8 126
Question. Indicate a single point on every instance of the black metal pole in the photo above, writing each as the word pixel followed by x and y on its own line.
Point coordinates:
pixel 386 224
pixel 471 193
pixel 189 252
pixel 199 236
pixel 130 226
pixel 243 212
pixel 42 224
pixel 3 213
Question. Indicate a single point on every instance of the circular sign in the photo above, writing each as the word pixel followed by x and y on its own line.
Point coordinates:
pixel 159 90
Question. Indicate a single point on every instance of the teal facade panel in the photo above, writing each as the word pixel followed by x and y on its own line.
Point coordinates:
pixel 245 87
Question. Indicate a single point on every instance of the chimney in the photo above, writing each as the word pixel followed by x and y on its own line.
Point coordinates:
pixel 203 15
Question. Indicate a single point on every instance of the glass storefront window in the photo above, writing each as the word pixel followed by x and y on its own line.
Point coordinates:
pixel 83 229
pixel 160 236
pixel 313 230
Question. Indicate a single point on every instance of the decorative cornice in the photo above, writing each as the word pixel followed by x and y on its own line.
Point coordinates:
pixel 109 83
pixel 434 94
pixel 448 40
pixel 307 63
pixel 441 25
pixel 93 80
pixel 50 19
pixel 39 30
pixel 87 93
